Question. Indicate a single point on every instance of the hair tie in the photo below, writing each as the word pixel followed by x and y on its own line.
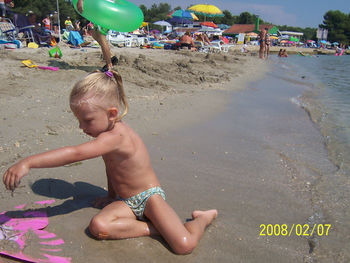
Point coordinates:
pixel 109 74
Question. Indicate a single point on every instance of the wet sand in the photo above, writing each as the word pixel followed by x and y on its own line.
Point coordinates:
pixel 252 154
pixel 256 163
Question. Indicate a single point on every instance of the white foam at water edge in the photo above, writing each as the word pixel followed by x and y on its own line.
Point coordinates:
pixel 297 101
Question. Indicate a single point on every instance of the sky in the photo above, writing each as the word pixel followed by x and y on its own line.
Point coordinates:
pixel 300 13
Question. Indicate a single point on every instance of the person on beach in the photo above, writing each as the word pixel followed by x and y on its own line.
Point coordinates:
pixel 262 35
pixel 47 22
pixel 186 41
pixel 68 23
pixel 280 53
pixel 267 44
pixel 54 22
pixel 3 4
pixel 135 205
pixel 3 8
pixel 283 53
pixel 99 34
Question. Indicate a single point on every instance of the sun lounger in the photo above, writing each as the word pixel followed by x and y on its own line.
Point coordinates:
pixel 118 39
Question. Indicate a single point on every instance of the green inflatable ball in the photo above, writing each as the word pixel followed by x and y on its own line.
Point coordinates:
pixel 117 15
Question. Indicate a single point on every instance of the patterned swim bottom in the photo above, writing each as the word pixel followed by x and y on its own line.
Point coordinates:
pixel 137 203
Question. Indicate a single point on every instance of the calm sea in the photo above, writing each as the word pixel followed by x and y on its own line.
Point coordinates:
pixel 327 100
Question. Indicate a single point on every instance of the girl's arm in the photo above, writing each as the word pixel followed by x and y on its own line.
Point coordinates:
pixel 70 154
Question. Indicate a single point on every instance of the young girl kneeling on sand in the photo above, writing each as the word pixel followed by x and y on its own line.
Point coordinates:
pixel 134 192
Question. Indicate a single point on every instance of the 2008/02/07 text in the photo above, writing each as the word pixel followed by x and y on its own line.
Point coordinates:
pixel 297 229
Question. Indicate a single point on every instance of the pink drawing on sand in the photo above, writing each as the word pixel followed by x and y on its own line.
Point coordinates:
pixel 15 233
pixel 20 206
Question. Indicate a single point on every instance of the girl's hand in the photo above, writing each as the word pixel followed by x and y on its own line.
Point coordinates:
pixel 14 174
pixel 101 202
pixel 80 6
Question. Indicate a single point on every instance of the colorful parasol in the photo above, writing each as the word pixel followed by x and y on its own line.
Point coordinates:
pixel 206 10
pixel 183 14
pixel 209 24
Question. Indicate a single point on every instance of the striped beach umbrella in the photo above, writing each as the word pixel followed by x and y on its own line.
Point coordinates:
pixel 183 14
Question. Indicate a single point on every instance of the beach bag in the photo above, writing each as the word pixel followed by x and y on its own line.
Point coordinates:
pixel 55 52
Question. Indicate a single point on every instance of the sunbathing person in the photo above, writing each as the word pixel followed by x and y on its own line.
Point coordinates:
pixel 187 41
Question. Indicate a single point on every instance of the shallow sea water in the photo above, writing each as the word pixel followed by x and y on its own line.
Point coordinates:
pixel 326 99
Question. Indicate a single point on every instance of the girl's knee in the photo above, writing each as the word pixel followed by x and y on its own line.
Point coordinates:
pixel 98 228
pixel 184 246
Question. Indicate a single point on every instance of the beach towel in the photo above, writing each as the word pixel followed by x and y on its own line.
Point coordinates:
pixel 75 38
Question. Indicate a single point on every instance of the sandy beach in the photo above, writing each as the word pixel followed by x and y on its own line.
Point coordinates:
pixel 217 139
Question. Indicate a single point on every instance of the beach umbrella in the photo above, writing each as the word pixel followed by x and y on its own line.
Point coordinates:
pixel 178 20
pixel 206 10
pixel 209 24
pixel 183 14
pixel 323 41
pixel 273 37
pixel 335 43
pixel 252 35
pixel 162 23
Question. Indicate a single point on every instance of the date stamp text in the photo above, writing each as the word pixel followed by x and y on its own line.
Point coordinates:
pixel 285 230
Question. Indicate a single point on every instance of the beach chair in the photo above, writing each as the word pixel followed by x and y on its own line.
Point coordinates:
pixel 215 47
pixel 118 39
pixel 219 46
pixel 8 30
pixel 23 28
pixel 199 45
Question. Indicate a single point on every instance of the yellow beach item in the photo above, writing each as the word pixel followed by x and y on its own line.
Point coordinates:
pixel 28 63
pixel 33 45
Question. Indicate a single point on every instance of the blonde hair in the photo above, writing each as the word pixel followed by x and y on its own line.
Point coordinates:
pixel 102 89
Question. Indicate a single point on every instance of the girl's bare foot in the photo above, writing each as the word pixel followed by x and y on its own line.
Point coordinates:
pixel 209 215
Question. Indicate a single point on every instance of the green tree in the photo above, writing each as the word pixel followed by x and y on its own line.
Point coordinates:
pixel 246 18
pixel 227 19
pixel 338 25
pixel 156 12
